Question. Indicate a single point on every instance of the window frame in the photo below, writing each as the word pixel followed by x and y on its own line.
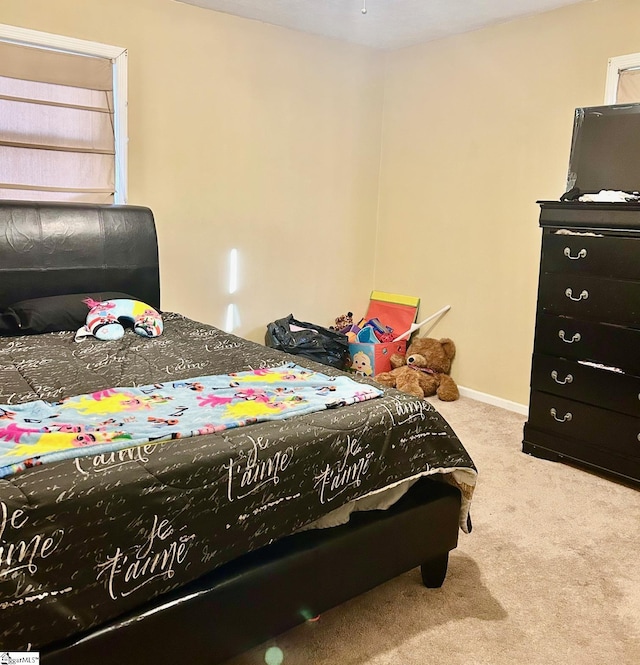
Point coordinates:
pixel 615 66
pixel 118 56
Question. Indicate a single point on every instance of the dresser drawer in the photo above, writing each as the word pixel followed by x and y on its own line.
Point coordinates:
pixel 582 296
pixel 585 340
pixel 552 446
pixel 607 256
pixel 604 388
pixel 599 427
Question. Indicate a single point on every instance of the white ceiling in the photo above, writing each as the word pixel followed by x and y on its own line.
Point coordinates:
pixel 388 24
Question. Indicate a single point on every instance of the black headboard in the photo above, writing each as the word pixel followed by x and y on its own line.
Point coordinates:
pixel 49 249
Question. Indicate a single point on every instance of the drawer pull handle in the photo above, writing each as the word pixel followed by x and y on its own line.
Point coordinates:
pixel 567 379
pixel 584 294
pixel 565 419
pixel 580 255
pixel 575 338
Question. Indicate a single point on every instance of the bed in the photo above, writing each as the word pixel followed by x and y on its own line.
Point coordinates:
pixel 195 547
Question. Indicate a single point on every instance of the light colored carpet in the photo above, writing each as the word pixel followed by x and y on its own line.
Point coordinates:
pixel 549 574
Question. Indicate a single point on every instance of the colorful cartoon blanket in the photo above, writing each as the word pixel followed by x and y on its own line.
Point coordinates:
pixel 117 418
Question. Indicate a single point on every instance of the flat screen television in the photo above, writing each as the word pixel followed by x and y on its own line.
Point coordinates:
pixel 605 149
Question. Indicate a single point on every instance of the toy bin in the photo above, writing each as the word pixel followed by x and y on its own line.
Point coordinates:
pixel 395 311
pixel 372 359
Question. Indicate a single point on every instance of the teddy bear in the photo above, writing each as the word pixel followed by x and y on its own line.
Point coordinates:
pixel 342 321
pixel 424 370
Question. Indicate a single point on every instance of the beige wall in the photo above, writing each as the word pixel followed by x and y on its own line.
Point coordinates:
pixel 243 135
pixel 476 129
pixel 250 136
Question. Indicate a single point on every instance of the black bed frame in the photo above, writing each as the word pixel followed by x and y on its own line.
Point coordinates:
pixel 53 249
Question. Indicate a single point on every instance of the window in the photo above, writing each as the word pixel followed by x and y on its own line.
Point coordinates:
pixel 623 80
pixel 62 118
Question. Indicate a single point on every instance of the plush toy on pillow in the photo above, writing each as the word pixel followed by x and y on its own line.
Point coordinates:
pixel 104 320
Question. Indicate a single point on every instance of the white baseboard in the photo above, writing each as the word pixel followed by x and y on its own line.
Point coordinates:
pixel 494 401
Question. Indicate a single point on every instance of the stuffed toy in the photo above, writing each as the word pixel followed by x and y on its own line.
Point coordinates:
pixel 105 319
pixel 342 321
pixel 424 370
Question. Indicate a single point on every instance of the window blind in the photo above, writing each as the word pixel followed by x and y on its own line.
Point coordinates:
pixel 628 86
pixel 56 126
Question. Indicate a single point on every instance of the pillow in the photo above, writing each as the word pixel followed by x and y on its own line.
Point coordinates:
pixel 105 319
pixel 50 314
pixel 8 325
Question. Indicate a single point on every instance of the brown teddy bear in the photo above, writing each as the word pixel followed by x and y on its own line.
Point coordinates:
pixel 424 370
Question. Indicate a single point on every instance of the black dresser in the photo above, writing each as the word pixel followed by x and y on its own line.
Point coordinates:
pixel 585 376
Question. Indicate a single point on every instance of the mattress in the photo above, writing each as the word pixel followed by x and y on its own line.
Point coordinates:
pixel 87 539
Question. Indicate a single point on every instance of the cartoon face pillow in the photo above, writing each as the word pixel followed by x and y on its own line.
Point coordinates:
pixel 105 319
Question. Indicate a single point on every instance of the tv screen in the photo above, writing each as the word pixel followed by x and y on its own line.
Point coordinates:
pixel 605 149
